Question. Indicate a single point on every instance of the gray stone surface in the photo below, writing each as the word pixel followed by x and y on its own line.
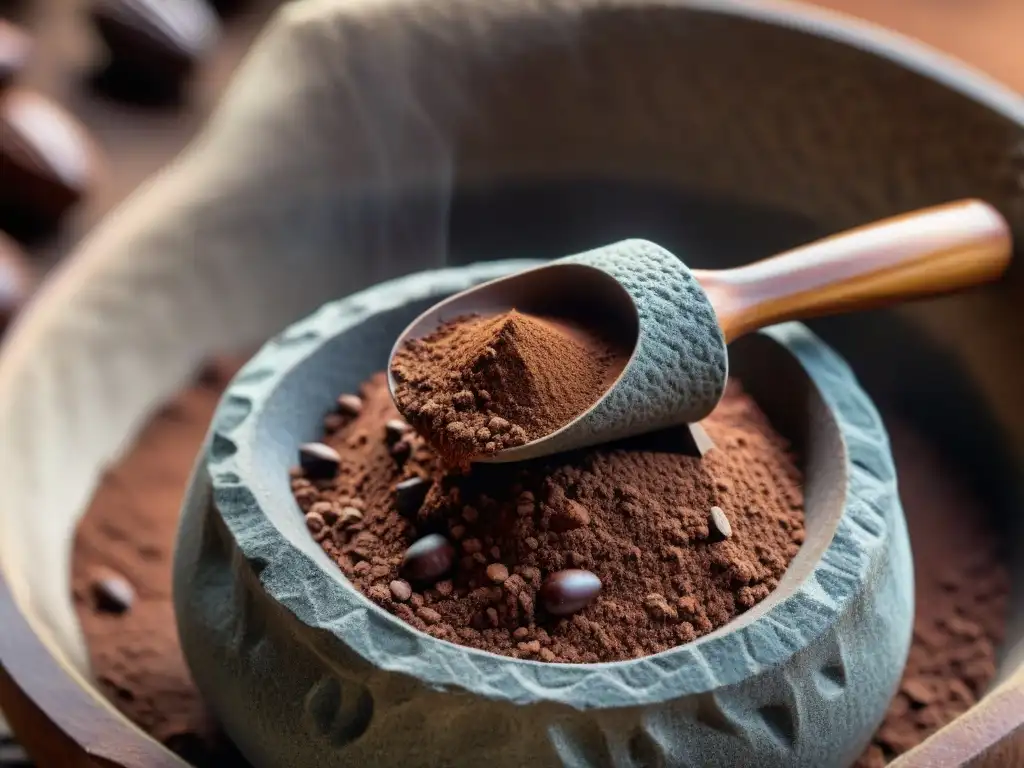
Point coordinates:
pixel 303 670
pixel 678 371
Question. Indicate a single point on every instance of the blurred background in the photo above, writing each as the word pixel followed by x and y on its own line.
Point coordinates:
pixel 98 95
pixel 128 89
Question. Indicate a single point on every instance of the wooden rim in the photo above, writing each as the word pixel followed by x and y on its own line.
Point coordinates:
pixel 56 719
pixel 988 735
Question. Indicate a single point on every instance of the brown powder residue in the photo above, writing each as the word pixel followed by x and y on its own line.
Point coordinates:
pixel 962 586
pixel 127 535
pixel 478 385
pixel 637 516
pixel 130 527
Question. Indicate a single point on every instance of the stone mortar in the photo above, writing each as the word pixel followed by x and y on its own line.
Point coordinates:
pixel 303 670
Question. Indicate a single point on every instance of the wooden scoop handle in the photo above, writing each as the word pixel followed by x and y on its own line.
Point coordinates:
pixel 925 253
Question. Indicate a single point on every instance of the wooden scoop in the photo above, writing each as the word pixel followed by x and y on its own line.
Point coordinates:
pixel 678 322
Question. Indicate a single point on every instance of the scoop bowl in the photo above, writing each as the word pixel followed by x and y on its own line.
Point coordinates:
pixel 645 298
pixel 678 322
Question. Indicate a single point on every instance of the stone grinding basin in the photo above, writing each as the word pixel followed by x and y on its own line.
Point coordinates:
pixel 580 125
pixel 303 670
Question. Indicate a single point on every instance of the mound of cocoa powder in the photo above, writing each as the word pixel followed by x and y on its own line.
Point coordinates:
pixel 478 385
pixel 637 515
pixel 128 532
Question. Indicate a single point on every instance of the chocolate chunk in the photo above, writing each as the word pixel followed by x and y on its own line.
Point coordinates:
pixel 719 524
pixel 401 451
pixel 400 590
pixel 15 47
pixel 394 430
pixel 17 278
pixel 113 593
pixel 319 461
pixel 350 405
pixel 156 41
pixel 429 558
pixel 48 162
pixel 409 494
pixel 696 441
pixel 569 591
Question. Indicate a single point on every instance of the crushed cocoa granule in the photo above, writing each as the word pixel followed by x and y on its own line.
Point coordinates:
pixel 478 385
pixel 638 515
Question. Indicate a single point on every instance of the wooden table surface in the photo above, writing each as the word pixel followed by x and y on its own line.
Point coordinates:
pixel 988 34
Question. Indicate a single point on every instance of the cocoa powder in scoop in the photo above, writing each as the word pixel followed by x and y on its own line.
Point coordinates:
pixel 637 515
pixel 478 385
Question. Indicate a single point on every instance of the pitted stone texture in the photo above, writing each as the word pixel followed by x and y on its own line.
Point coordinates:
pixel 678 371
pixel 303 670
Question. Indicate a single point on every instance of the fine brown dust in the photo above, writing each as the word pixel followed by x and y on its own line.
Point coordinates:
pixel 636 515
pixel 961 589
pixel 131 523
pixel 128 532
pixel 478 385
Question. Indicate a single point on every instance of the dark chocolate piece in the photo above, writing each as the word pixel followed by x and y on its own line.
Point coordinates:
pixel 569 591
pixel 350 405
pixel 429 558
pixel 46 160
pixel 319 461
pixel 409 494
pixel 15 47
pixel 394 430
pixel 401 451
pixel 156 41
pixel 113 593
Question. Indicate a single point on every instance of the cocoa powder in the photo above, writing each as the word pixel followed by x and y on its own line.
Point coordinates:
pixel 124 544
pixel 130 527
pixel 638 515
pixel 478 385
pixel 961 586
